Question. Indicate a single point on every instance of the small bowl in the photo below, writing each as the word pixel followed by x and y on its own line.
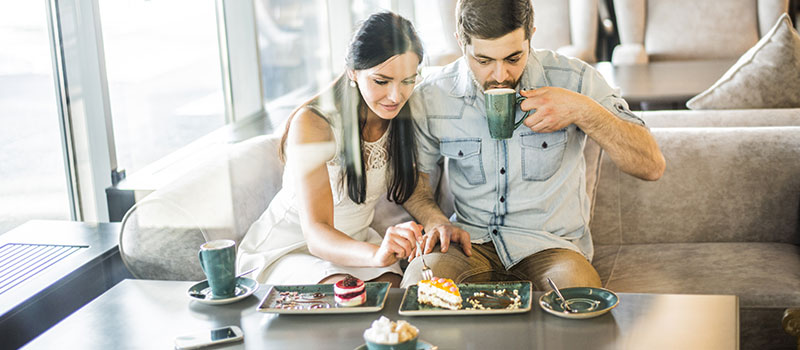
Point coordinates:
pixel 410 344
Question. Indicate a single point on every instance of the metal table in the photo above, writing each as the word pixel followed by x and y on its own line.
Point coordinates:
pixel 144 314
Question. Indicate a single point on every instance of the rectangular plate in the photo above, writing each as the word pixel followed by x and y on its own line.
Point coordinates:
pixel 376 298
pixel 411 307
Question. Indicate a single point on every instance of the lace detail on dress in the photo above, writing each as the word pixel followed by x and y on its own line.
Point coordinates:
pixel 376 154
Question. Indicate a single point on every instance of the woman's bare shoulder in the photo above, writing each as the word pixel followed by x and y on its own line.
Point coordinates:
pixel 308 126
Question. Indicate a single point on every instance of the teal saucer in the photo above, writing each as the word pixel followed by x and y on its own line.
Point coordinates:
pixel 421 345
pixel 202 292
pixel 585 302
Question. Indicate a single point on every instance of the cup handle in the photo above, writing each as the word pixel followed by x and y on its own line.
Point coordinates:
pixel 200 256
pixel 524 116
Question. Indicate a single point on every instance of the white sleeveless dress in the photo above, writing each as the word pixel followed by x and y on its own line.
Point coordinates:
pixel 275 245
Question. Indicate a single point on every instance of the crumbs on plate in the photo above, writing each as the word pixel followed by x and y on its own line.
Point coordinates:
pixel 496 299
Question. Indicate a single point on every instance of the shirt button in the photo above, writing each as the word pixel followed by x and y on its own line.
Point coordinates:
pixel 494 231
pixel 502 199
pixel 502 171
pixel 544 144
pixel 460 154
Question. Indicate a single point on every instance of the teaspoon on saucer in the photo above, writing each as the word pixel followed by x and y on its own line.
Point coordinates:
pixel 558 292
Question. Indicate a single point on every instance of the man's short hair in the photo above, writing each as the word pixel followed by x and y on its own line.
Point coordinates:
pixel 491 19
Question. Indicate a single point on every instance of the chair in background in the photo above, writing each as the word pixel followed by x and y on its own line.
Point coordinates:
pixel 567 26
pixel 668 30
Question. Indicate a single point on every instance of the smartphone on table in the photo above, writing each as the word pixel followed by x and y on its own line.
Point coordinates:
pixel 209 337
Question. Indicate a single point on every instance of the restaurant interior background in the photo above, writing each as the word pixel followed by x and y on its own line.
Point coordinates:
pixel 168 77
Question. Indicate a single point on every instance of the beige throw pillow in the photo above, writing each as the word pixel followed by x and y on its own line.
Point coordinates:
pixel 766 76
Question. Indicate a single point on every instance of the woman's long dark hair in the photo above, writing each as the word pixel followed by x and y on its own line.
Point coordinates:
pixel 379 37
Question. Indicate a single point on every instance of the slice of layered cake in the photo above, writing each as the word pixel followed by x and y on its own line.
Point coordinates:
pixel 439 292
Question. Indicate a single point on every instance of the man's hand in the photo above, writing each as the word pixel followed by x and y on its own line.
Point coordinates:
pixel 446 234
pixel 556 108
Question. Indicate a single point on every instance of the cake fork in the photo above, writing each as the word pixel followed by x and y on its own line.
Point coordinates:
pixel 427 273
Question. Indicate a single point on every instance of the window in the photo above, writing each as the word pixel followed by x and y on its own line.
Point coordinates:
pixel 164 76
pixel 166 87
pixel 32 175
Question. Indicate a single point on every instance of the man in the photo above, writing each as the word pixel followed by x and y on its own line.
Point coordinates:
pixel 521 209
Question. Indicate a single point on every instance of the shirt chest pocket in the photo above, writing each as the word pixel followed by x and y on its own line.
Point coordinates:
pixel 542 154
pixel 465 156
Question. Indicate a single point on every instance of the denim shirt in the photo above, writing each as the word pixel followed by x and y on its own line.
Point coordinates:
pixel 527 193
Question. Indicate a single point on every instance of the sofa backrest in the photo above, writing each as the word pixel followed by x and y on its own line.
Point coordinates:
pixel 734 183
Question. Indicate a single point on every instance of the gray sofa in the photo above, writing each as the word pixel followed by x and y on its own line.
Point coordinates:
pixel 722 220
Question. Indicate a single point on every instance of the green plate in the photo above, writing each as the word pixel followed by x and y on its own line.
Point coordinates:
pixel 411 307
pixel 324 303
pixel 587 302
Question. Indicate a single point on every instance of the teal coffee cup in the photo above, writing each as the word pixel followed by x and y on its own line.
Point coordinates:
pixel 218 260
pixel 501 108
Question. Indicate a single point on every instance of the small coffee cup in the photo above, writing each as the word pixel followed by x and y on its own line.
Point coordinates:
pixel 501 108
pixel 218 260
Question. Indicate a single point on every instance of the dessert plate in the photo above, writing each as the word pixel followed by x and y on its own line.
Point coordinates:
pixel 202 292
pixel 421 345
pixel 318 299
pixel 586 302
pixel 494 303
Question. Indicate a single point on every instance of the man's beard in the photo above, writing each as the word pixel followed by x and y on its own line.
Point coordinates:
pixel 505 84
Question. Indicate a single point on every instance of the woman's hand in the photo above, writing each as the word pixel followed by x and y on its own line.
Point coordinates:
pixel 399 242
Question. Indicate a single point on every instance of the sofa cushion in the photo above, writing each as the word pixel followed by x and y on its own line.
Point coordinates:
pixel 255 177
pixel 720 185
pixel 761 274
pixel 766 76
pixel 159 240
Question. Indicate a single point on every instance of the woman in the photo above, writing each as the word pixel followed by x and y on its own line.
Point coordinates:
pixel 343 149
